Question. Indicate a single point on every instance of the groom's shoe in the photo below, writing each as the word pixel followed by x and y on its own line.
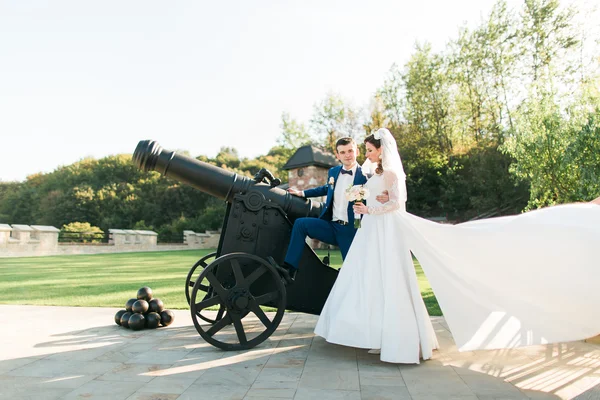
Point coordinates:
pixel 287 271
pixel 291 271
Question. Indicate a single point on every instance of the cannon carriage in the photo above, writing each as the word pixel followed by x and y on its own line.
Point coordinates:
pixel 238 279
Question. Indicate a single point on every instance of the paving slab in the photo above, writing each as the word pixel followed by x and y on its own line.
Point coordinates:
pixel 79 353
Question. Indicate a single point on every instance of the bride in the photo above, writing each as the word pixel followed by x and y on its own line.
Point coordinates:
pixel 501 282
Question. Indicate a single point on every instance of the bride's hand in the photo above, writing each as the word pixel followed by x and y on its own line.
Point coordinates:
pixel 360 208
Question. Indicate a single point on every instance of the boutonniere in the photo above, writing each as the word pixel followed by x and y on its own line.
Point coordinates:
pixel 331 180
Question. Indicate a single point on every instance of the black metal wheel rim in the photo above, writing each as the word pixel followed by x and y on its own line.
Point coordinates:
pixel 189 284
pixel 238 301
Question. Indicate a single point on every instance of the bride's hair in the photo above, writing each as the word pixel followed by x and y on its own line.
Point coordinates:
pixel 377 143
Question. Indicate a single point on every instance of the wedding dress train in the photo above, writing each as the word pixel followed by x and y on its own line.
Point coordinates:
pixel 514 281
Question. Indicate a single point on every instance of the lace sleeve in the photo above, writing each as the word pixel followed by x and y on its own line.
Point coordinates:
pixel 391 183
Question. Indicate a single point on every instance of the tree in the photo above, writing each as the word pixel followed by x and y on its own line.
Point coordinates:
pixel 478 182
pixel 293 133
pixel 378 116
pixel 502 34
pixel 389 99
pixel 228 157
pixel 554 129
pixel 556 149
pixel 333 118
pixel 584 154
pixel 427 100
pixel 547 36
pixel 482 64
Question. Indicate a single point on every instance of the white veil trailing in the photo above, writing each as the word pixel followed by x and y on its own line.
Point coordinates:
pixel 390 160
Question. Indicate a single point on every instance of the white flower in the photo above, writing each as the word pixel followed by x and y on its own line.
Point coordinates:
pixel 331 180
pixel 364 193
pixel 357 193
pixel 377 135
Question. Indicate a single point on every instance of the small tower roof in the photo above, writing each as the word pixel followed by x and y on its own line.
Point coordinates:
pixel 310 155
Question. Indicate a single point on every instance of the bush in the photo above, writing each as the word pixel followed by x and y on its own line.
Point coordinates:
pixel 82 232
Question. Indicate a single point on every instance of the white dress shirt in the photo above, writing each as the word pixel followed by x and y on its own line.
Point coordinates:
pixel 340 203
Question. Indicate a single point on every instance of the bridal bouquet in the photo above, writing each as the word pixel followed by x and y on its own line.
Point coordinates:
pixel 357 194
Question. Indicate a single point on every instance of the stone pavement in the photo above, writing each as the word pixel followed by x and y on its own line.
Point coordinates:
pixel 79 353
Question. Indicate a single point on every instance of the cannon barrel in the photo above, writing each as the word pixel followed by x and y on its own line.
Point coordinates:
pixel 215 181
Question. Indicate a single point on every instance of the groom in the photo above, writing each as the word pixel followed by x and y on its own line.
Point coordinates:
pixel 335 225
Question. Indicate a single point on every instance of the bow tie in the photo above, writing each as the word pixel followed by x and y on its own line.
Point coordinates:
pixel 346 172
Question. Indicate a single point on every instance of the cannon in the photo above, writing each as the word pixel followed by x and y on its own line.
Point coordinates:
pixel 238 278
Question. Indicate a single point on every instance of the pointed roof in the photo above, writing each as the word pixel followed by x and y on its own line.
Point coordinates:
pixel 310 155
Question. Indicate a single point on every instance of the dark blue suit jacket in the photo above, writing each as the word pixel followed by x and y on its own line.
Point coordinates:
pixel 326 214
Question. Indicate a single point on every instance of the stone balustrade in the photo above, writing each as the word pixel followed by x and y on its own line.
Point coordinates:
pixel 37 240
pixel 209 239
pixel 129 237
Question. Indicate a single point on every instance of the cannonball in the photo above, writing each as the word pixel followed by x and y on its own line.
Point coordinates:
pixel 118 316
pixel 144 293
pixel 152 320
pixel 156 305
pixel 137 321
pixel 167 317
pixel 140 306
pixel 129 304
pixel 125 319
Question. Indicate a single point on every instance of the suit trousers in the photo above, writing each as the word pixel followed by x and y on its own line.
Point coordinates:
pixel 320 229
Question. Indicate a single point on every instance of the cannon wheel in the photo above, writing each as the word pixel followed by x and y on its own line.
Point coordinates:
pixel 189 283
pixel 238 300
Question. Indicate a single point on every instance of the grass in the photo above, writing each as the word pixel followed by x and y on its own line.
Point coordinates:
pixel 109 280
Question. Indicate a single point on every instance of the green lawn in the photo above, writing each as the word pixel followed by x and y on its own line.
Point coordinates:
pixel 109 280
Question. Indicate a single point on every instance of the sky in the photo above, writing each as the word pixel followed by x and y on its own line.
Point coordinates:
pixel 92 78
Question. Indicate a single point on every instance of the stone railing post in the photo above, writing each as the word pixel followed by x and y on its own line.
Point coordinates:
pixel 47 236
pixel 5 231
pixel 117 237
pixel 147 238
pixel 131 236
pixel 189 238
pixel 212 241
pixel 23 233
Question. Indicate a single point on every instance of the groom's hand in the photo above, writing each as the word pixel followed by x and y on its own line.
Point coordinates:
pixel 295 192
pixel 384 197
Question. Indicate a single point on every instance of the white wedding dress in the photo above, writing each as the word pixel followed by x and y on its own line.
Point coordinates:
pixel 376 302
pixel 504 282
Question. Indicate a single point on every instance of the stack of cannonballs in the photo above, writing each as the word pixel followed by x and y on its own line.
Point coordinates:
pixel 144 312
